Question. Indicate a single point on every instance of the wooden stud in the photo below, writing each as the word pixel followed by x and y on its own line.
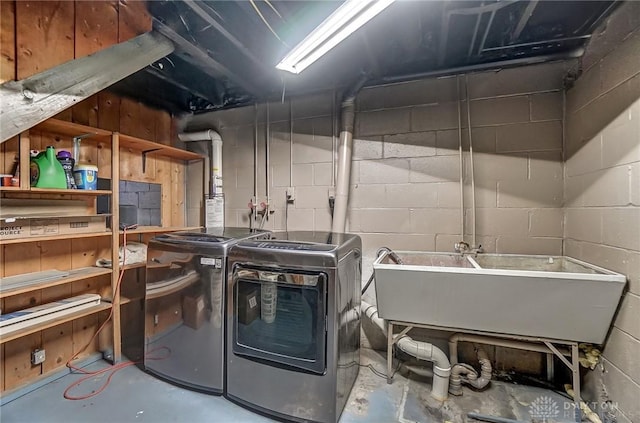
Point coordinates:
pixel 25 160
pixel 115 246
pixel 7 41
pixel 44 35
pixel 9 150
pixel 177 193
pixel 83 252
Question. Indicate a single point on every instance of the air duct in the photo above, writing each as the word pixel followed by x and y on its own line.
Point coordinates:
pixel 214 205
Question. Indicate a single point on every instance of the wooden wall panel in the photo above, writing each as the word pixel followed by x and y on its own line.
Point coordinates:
pixel 133 19
pixel 44 35
pixel 86 112
pixel 163 128
pixel 17 361
pixel 7 41
pixel 96 26
pixel 56 343
pixel 108 111
pixel 9 150
pixel 177 189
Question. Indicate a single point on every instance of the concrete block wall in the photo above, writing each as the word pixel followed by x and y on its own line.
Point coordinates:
pixel 405 190
pixel 602 192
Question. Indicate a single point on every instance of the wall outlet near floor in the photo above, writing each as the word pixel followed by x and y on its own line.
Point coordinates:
pixel 37 357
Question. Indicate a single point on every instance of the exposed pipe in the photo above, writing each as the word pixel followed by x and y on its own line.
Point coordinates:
pixel 255 162
pixel 420 350
pixel 461 162
pixel 267 156
pixel 473 183
pixel 215 174
pixel 344 157
pixel 488 340
pixel 464 373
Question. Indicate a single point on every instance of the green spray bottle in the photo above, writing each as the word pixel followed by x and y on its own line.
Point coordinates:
pixel 46 170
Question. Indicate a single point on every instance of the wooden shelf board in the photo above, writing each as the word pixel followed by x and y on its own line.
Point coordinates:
pixel 159 229
pixel 133 266
pixel 51 216
pixel 72 129
pixel 54 322
pixel 74 275
pixel 70 191
pixel 127 141
pixel 54 237
pixel 12 189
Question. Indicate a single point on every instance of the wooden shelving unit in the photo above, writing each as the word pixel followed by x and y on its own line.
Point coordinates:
pixel 54 322
pixel 158 229
pixel 109 146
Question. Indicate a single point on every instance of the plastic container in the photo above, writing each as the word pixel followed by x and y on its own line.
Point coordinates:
pixel 268 297
pixel 86 176
pixel 67 162
pixel 46 170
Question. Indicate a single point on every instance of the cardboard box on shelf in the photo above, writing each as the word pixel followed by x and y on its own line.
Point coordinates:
pixel 27 228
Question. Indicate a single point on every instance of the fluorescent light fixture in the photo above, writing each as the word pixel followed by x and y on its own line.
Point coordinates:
pixel 351 15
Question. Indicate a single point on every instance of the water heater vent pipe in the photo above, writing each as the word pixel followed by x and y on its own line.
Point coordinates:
pixel 215 181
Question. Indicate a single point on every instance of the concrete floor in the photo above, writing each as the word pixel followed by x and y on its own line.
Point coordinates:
pixel 134 396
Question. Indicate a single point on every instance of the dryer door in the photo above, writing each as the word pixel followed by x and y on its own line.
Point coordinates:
pixel 280 317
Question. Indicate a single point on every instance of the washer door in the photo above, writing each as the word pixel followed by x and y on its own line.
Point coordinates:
pixel 279 317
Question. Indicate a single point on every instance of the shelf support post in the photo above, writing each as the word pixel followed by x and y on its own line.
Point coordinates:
pixel 115 244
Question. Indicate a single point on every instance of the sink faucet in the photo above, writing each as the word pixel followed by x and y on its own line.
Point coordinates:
pixel 464 248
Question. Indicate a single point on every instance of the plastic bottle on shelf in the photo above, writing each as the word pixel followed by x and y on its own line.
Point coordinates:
pixel 67 162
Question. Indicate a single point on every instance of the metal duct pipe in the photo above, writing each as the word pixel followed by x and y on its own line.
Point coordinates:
pixel 215 175
pixel 420 350
pixel 344 157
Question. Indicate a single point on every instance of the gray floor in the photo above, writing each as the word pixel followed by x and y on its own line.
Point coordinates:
pixel 134 396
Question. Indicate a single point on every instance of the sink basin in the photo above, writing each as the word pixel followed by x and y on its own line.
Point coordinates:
pixel 549 297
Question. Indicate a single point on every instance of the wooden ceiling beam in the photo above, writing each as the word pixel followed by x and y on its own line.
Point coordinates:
pixel 32 100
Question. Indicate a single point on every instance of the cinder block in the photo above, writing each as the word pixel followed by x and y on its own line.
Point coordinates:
pixel 322 220
pixel 382 122
pixel 499 167
pixel 280 143
pixel 483 138
pixel 158 187
pixel 399 242
pixel 371 98
pixel 312 197
pixel 621 227
pixel 534 136
pixel 363 196
pixel 322 174
pixel 448 194
pixel 434 117
pixel 634 173
pixel 587 159
pixel 447 142
pixel 529 245
pixel 623 389
pixel 623 351
pixel 302 175
pixel 622 63
pixel 621 138
pixel 501 222
pixel 435 169
pixel 309 148
pixel 584 224
pixel 633 271
pixel 497 111
pixel 586 89
pixel 280 175
pixel 385 220
pixel 607 187
pixel 149 200
pixel 244 177
pixel 435 221
pixel 312 105
pixel 386 171
pixel 546 106
pixel 530 193
pixel 524 79
pixel 446 242
pixel 368 148
pixel 546 222
pixel 414 144
pixel 144 217
pixel 411 195
pixel 129 199
pixel 300 219
pixel 546 166
pixel 611 258
pixel 238 198
pixel 627 319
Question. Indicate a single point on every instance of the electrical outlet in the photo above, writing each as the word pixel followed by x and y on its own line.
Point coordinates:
pixel 37 357
pixel 291 194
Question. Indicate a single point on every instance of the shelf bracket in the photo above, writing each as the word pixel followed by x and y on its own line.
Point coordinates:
pixel 144 158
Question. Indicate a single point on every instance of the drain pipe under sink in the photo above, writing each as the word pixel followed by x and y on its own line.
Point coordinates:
pixel 421 350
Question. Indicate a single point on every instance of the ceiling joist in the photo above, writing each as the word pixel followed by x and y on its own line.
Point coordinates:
pixel 32 100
